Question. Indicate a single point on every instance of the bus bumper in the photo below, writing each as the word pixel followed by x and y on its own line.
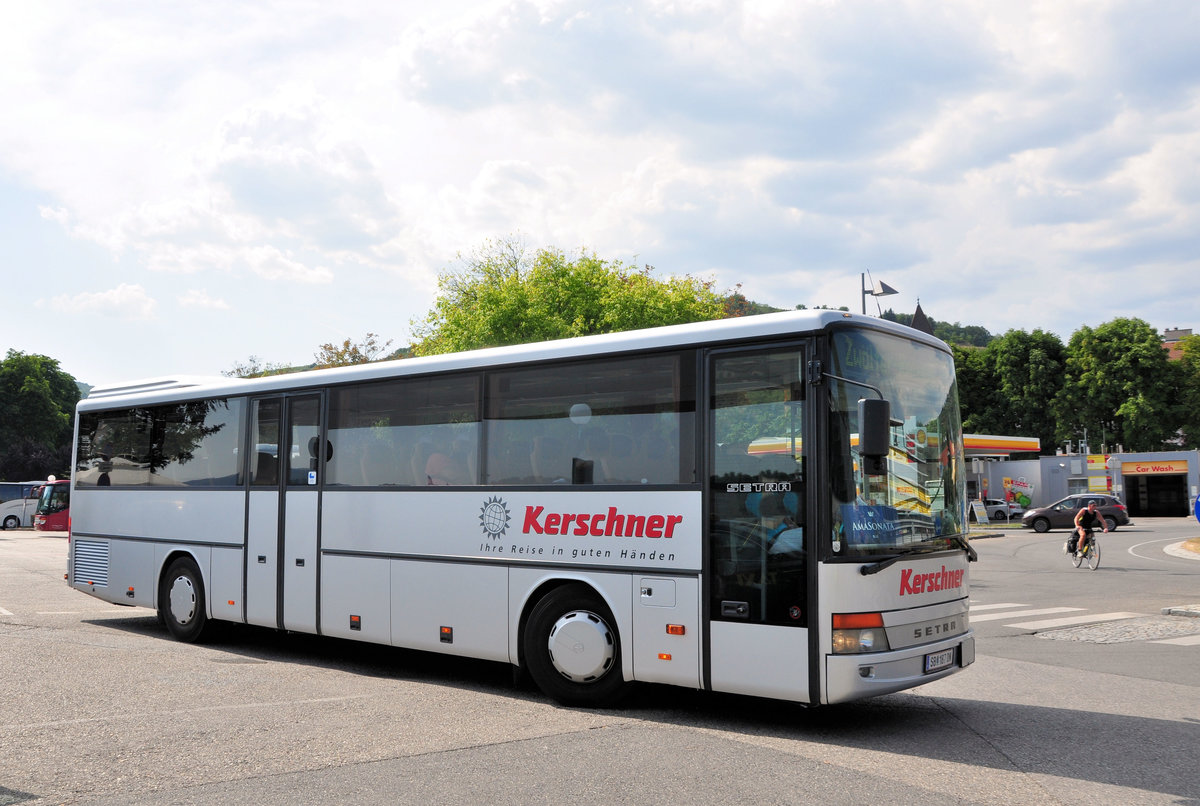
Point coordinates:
pixel 852 677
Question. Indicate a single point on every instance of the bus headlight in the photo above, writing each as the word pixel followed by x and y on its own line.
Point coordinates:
pixel 850 642
pixel 856 633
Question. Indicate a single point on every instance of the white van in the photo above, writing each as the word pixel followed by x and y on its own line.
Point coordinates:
pixel 18 503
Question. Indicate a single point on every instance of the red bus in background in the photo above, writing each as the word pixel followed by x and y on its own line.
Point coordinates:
pixel 54 507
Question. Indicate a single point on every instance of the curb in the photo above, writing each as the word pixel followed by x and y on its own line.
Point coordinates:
pixel 1182 610
pixel 1177 550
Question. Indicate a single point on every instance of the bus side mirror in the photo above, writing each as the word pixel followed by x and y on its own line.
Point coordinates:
pixel 874 433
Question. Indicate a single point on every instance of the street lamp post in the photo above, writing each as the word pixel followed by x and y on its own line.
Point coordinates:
pixel 878 289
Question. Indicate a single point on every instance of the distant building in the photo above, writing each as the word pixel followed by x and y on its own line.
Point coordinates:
pixel 920 321
pixel 1171 338
pixel 1159 484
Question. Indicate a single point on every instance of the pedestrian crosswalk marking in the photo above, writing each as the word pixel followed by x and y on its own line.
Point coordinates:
pixel 1078 619
pixel 1184 640
pixel 1071 621
pixel 1022 613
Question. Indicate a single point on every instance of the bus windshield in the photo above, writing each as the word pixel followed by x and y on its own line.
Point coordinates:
pixel 917 503
pixel 54 498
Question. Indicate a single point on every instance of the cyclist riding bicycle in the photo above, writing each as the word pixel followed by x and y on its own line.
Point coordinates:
pixel 1085 521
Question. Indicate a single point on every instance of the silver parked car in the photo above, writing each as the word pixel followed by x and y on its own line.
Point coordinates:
pixel 998 510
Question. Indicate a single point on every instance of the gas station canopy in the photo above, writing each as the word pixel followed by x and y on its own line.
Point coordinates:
pixel 981 445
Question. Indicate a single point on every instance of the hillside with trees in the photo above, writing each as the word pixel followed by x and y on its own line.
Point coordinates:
pixel 1113 382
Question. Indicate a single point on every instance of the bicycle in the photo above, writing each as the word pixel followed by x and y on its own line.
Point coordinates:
pixel 1091 552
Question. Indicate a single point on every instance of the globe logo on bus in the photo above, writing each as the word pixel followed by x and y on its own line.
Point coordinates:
pixel 494 518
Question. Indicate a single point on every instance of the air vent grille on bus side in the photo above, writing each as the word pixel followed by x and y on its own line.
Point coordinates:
pixel 91 562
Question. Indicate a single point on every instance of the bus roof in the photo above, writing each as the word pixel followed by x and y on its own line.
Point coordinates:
pixel 712 332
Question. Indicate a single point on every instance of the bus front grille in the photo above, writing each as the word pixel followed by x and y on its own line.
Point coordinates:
pixel 91 562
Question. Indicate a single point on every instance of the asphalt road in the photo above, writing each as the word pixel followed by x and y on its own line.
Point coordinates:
pixel 1029 603
pixel 100 706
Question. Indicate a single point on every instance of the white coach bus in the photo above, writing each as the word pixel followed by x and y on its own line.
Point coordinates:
pixel 588 509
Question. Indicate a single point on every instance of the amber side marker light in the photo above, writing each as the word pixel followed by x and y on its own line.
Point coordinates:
pixel 664 655
pixel 676 629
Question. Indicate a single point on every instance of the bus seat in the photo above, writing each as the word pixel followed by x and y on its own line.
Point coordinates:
pixel 266 471
pixel 549 460
pixel 619 463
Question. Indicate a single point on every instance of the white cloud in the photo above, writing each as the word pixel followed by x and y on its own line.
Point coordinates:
pixel 959 151
pixel 58 214
pixel 273 264
pixel 123 302
pixel 199 298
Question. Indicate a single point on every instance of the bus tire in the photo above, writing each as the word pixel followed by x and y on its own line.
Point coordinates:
pixel 181 602
pixel 11 522
pixel 572 648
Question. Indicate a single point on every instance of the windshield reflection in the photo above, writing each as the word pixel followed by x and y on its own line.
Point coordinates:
pixel 917 504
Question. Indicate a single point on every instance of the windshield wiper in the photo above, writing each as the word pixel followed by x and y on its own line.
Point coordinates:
pixel 875 568
pixel 958 540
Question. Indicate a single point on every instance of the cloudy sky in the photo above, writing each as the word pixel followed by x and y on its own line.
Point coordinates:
pixel 184 185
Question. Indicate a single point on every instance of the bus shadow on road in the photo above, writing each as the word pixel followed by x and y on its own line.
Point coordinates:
pixel 243 643
pixel 1154 755
pixel 1142 753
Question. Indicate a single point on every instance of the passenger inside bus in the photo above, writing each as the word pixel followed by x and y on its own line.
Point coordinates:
pixel 442 470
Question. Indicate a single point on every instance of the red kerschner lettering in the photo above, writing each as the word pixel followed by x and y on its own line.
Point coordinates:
pixel 926 583
pixel 598 524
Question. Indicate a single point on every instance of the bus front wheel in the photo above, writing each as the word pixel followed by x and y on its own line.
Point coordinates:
pixel 572 649
pixel 181 601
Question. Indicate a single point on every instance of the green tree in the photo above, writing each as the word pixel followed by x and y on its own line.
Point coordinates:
pixel 1188 368
pixel 803 307
pixel 967 335
pixel 736 304
pixel 978 397
pixel 37 410
pixel 1119 386
pixel 349 352
pixel 254 367
pixel 505 295
pixel 1028 377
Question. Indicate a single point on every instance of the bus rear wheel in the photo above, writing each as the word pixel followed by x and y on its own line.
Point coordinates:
pixel 181 601
pixel 572 649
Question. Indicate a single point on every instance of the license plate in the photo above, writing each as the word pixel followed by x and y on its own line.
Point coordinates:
pixel 940 660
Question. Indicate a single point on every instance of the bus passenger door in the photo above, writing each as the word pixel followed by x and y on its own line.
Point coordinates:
pixel 281 540
pixel 758 580
pixel 298 520
pixel 262 514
